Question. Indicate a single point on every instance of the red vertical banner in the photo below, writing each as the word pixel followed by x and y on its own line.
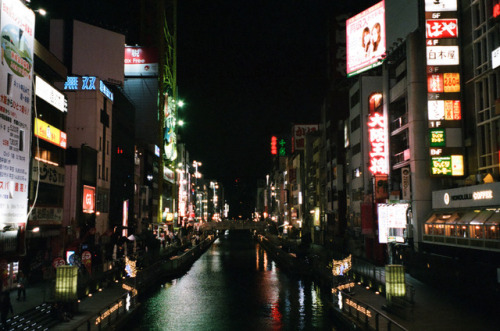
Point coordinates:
pixel 87 261
pixel 367 225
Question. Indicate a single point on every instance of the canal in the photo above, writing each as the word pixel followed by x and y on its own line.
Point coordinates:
pixel 234 286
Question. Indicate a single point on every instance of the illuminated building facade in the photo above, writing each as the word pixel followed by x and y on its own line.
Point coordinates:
pixel 440 89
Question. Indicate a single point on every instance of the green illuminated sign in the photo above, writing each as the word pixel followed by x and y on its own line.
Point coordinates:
pixel 447 165
pixel 437 137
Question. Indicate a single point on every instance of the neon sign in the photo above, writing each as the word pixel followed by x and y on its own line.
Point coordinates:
pixel 442 28
pixel 377 137
pixel 88 199
pixel 447 165
pixel 87 83
pixel 438 137
pixel 50 133
pixel 274 145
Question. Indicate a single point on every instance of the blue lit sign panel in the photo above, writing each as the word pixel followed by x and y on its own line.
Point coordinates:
pixel 87 83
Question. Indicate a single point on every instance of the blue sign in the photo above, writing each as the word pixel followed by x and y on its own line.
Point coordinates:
pixel 87 83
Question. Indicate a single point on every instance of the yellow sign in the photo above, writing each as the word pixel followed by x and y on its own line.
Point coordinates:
pixel 50 133
pixel 457 164
pixel 451 82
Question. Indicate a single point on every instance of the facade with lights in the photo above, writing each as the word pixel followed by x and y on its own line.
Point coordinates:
pixel 438 81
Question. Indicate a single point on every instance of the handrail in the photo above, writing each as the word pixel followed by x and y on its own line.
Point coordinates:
pixel 104 318
pixel 367 314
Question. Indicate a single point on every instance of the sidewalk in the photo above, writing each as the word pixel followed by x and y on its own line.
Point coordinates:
pixel 434 309
pixel 88 307
pixel 35 296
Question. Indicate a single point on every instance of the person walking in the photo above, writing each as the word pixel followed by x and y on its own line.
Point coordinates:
pixel 21 286
pixel 5 307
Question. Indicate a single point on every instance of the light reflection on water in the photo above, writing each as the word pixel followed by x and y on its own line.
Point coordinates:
pixel 234 286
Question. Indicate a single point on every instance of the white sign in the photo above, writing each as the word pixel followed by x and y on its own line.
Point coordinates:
pixel 391 221
pixel 440 5
pixel 17 24
pixel 442 55
pixel 475 196
pixel 435 110
pixel 48 173
pixel 495 58
pixel 48 93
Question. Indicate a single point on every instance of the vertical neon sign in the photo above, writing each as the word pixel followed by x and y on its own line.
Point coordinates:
pixel 377 137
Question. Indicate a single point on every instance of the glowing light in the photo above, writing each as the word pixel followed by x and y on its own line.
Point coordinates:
pixel 377 137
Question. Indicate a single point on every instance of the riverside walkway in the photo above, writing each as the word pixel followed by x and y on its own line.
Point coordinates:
pixel 109 307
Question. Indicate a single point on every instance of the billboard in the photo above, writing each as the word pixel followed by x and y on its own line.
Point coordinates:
pixel 96 52
pixel 299 132
pixel 17 24
pixel 48 93
pixel 50 133
pixel 141 61
pixel 392 219
pixel 365 39
pixel 88 199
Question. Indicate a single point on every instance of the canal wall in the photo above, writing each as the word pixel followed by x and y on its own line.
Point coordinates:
pixel 121 308
pixel 170 267
pixel 309 267
pixel 315 268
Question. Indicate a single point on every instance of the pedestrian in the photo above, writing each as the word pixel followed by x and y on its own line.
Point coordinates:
pixel 21 286
pixel 5 307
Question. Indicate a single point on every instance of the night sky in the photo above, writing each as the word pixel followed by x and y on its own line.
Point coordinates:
pixel 246 71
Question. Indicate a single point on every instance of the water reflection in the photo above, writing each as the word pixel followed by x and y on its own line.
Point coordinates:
pixel 234 286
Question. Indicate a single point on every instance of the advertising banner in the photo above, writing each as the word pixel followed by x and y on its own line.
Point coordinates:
pixel 49 174
pixel 141 61
pixel 365 35
pixel 46 216
pixel 88 199
pixel 299 133
pixel 17 24
pixel 48 93
pixel 392 221
pixel 50 133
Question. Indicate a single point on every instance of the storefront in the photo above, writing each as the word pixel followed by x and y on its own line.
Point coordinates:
pixel 466 217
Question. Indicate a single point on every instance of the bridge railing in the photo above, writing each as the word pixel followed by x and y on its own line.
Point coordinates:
pixel 234 225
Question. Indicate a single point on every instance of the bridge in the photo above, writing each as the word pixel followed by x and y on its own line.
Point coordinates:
pixel 233 225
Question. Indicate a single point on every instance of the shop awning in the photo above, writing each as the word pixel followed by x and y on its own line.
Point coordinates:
pixel 442 218
pixel 482 217
pixel 494 219
pixel 467 217
pixel 471 217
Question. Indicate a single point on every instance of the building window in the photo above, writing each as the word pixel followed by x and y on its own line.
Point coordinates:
pixel 99 171
pixel 107 147
pixel 355 99
pixel 356 149
pixel 106 173
pixel 355 123
pixel 100 143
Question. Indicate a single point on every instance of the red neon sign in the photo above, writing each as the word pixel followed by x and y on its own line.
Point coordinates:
pixel 496 10
pixel 274 145
pixel 377 136
pixel 88 199
pixel 435 83
pixel 442 28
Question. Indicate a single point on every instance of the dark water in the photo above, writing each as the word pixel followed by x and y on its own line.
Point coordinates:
pixel 235 286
